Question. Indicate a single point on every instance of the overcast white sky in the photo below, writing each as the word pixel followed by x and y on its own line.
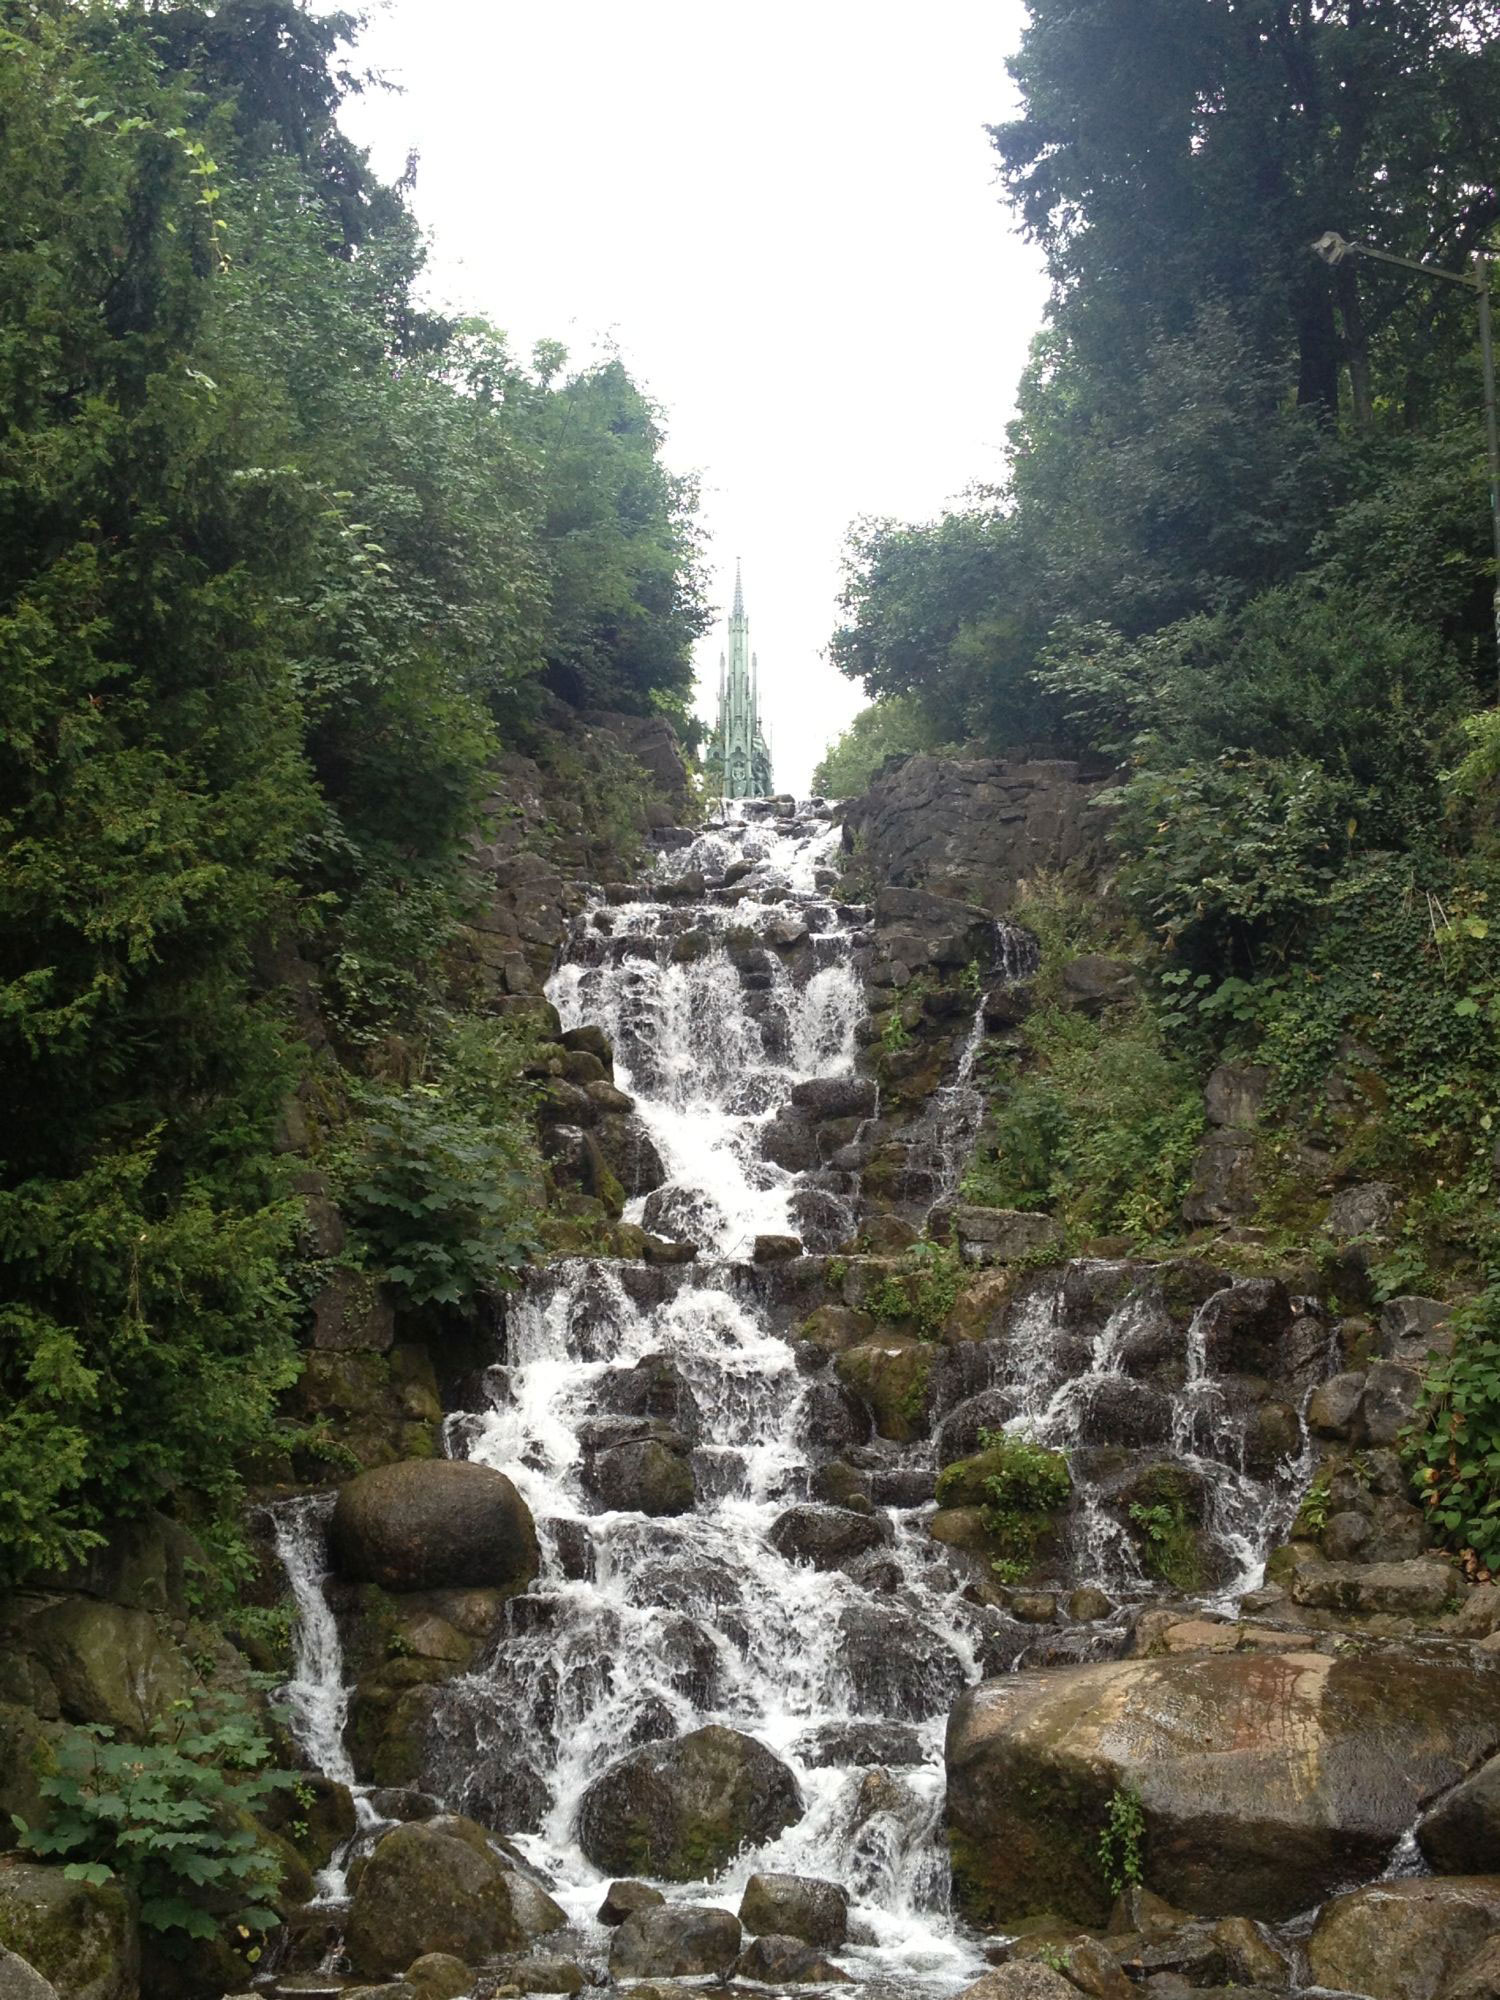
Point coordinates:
pixel 786 217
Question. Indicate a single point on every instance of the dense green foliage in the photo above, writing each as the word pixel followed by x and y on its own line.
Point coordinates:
pixel 1454 1457
pixel 171 1817
pixel 283 559
pixel 1101 1122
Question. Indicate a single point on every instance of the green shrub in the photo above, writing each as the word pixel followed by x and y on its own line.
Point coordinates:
pixel 1169 1548
pixel 443 1187
pixel 167 1817
pixel 1024 1485
pixel 1121 1859
pixel 926 1303
pixel 1453 1451
pixel 889 728
pixel 1104 1131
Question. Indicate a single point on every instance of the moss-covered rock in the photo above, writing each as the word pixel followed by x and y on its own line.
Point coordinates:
pixel 434 1887
pixel 106 1663
pixel 680 1810
pixel 80 1935
pixel 24 1740
pixel 892 1377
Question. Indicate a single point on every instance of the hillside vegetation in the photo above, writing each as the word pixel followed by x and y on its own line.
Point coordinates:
pixel 286 558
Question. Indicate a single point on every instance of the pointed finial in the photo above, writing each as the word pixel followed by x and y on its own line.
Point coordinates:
pixel 739 593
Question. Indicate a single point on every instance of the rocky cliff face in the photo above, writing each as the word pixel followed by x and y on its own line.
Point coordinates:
pixel 975 828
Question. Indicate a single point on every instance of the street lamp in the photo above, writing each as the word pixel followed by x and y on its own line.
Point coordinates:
pixel 1332 248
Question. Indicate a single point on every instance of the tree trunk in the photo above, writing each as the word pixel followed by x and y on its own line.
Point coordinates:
pixel 1356 344
pixel 1317 351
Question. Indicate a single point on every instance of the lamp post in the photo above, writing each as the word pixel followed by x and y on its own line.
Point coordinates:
pixel 1333 249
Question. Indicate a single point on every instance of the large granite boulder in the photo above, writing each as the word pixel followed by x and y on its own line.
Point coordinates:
pixel 82 1936
pixel 1404 1940
pixel 679 1810
pixel 680 1941
pixel 433 1885
pixel 1266 1781
pixel 434 1524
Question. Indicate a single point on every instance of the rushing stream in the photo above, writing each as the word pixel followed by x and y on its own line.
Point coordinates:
pixel 643 1626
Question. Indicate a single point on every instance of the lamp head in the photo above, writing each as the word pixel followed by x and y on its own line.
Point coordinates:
pixel 1331 247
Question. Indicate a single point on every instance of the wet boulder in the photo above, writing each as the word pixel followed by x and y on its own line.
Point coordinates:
pixel 892 1377
pixel 679 1810
pixel 836 1097
pixel 798 1906
pixel 860 1743
pixel 1266 1780
pixel 787 1961
pixel 435 1885
pixel 654 1387
pixel 639 1466
pixel 682 1214
pixel 545 1975
pixel 790 1141
pixel 895 1663
pixel 627 1146
pixel 1243 1326
pixel 430 1524
pixel 679 1941
pixel 961 1433
pixel 623 1899
pixel 1404 1940
pixel 1117 1409
pixel 828 1537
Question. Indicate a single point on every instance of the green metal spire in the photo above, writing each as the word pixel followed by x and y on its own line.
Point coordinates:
pixel 740 748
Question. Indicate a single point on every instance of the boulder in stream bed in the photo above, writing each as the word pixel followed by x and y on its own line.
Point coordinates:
pixel 680 1810
pixel 680 1941
pixel 434 1524
pixel 1405 1940
pixel 1265 1780
pixel 798 1906
pixel 433 1886
pixel 787 1961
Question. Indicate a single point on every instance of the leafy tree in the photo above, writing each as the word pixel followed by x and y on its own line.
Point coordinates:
pixel 888 728
pixel 281 554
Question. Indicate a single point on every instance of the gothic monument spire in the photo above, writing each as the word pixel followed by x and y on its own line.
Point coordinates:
pixel 743 759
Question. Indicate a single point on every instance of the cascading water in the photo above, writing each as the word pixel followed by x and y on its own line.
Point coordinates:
pixel 653 1618
pixel 644 1627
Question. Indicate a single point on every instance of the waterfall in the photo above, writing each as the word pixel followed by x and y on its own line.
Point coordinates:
pixel 642 1627
pixel 720 999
